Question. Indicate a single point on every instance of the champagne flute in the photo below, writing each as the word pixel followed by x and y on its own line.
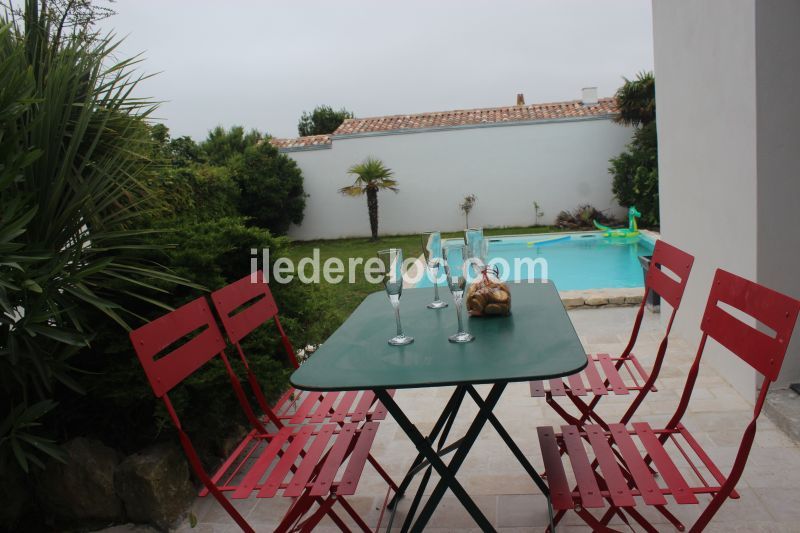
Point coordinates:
pixel 457 282
pixel 477 249
pixel 432 250
pixel 392 261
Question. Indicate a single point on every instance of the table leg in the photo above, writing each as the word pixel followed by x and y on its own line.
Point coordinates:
pixel 511 444
pixel 440 451
pixel 447 472
pixel 445 420
pixel 517 453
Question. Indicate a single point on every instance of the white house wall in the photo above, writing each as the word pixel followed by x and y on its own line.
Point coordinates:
pixel 729 165
pixel 557 164
pixel 778 120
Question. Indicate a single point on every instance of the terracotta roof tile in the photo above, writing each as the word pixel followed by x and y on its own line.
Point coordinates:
pixel 460 117
pixel 301 142
pixel 467 117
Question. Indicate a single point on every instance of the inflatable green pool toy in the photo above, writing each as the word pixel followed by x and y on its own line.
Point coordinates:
pixel 632 231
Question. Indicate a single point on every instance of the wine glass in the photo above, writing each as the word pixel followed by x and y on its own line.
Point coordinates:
pixel 477 249
pixel 392 261
pixel 432 250
pixel 457 282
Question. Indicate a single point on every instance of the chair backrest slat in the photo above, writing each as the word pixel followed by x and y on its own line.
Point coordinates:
pixel 166 370
pixel 678 262
pixel 777 311
pixel 250 289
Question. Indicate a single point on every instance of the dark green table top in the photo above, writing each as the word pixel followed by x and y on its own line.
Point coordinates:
pixel 537 341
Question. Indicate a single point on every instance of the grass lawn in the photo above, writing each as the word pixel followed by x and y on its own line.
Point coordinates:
pixel 346 295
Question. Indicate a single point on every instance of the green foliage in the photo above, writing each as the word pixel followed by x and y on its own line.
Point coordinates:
pixel 371 176
pixel 322 120
pixel 75 150
pixel 582 218
pixel 271 184
pixel 100 216
pixel 183 151
pixel 119 405
pixel 537 212
pixel 466 207
pixel 636 100
pixel 635 173
pixel 222 145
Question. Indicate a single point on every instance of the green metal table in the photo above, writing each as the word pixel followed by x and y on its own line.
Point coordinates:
pixel 536 342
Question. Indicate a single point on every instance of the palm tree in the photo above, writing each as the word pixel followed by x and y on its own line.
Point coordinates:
pixel 371 176
pixel 636 100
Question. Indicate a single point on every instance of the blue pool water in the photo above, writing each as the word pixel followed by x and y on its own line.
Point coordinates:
pixel 574 262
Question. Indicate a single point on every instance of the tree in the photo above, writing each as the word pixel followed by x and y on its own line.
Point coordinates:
pixel 636 101
pixel 322 120
pixel 271 184
pixel 64 19
pixel 371 176
pixel 635 171
pixel 467 205
pixel 184 151
pixel 221 144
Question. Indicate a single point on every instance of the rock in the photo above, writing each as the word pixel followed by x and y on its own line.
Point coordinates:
pixel 573 302
pixel 595 301
pixel 229 443
pixel 633 300
pixel 15 494
pixel 82 489
pixel 616 300
pixel 154 485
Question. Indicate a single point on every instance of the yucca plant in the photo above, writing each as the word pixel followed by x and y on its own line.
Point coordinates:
pixel 371 176
pixel 73 158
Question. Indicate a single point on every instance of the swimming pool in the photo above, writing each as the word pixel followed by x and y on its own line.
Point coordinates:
pixel 575 261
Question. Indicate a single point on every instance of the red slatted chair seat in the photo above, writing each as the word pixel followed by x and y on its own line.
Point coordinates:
pixel 296 459
pixel 315 465
pixel 620 466
pixel 602 376
pixel 623 375
pixel 300 407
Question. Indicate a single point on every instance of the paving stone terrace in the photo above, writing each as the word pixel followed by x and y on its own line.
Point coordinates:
pixel 717 417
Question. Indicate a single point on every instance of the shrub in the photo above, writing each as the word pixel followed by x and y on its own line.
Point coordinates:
pixel 119 405
pixel 271 184
pixel 636 174
pixel 635 171
pixel 582 218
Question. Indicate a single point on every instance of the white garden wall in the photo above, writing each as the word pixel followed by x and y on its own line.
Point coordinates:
pixel 559 164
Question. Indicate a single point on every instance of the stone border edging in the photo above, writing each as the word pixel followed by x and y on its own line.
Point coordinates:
pixel 595 298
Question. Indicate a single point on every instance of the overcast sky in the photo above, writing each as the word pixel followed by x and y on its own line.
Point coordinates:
pixel 261 64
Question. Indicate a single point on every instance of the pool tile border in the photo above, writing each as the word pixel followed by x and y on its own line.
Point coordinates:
pixel 596 298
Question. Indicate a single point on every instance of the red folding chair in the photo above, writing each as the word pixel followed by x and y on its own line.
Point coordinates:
pixel 248 304
pixel 300 462
pixel 618 483
pixel 605 374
